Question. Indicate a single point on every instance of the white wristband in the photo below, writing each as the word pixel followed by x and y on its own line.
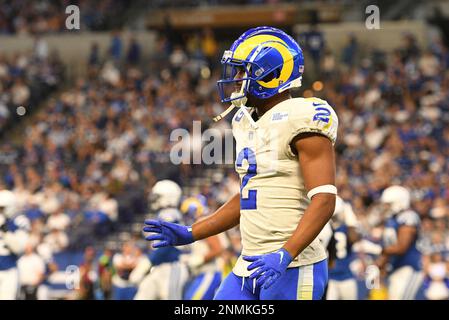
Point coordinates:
pixel 327 188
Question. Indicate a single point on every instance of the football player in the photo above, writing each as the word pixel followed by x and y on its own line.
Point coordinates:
pixel 400 258
pixel 14 230
pixel 161 275
pixel 204 256
pixel 285 159
pixel 342 282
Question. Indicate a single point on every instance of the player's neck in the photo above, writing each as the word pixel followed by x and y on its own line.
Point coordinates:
pixel 267 104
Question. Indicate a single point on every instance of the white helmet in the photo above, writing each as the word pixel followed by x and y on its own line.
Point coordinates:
pixel 8 203
pixel 397 197
pixel 165 194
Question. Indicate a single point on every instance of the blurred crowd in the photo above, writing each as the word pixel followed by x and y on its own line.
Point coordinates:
pixel 91 155
pixel 26 79
pixel 394 114
pixel 393 108
pixel 43 17
pixel 193 3
pixel 38 17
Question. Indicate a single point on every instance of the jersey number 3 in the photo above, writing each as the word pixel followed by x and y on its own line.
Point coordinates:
pixel 249 203
pixel 341 244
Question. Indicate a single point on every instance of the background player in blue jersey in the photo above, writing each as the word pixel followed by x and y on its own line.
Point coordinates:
pixel 400 257
pixel 342 282
pixel 204 257
pixel 161 275
pixel 13 239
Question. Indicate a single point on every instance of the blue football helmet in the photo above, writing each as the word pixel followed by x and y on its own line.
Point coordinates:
pixel 271 61
pixel 194 207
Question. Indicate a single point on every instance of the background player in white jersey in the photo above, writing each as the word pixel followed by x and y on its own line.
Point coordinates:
pixel 160 275
pixel 13 239
pixel 203 260
pixel 342 282
pixel 400 258
pixel 286 163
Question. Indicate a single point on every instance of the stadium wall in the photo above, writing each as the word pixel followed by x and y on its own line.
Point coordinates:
pixel 388 37
pixel 74 47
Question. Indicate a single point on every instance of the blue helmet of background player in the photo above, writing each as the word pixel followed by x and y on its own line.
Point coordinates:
pixel 271 60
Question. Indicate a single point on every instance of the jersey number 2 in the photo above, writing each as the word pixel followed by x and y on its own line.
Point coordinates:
pixel 249 203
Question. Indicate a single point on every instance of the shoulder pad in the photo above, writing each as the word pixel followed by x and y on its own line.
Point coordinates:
pixel 408 218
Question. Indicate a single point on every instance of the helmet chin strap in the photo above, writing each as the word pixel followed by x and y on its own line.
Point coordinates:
pixel 238 103
pixel 224 113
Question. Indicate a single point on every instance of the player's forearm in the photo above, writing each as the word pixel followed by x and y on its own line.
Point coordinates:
pixel 315 218
pixel 381 261
pixel 215 249
pixel 406 235
pixel 353 235
pixel 394 250
pixel 225 218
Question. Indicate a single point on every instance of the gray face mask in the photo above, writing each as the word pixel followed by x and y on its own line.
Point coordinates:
pixel 386 210
pixel 153 201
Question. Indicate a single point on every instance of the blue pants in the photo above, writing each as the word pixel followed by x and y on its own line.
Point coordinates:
pixel 203 286
pixel 123 293
pixel 301 283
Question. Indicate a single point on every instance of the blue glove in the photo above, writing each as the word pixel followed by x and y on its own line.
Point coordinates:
pixel 270 267
pixel 169 234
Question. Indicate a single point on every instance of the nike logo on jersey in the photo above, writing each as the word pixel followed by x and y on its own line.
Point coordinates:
pixel 316 104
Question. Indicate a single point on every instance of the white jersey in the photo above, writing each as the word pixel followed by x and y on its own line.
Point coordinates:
pixel 13 241
pixel 12 245
pixel 165 282
pixel 199 249
pixel 273 195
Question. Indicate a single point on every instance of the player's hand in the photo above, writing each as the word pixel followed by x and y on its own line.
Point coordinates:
pixel 168 234
pixel 270 267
